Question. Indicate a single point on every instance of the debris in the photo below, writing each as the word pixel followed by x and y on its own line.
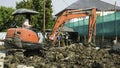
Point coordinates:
pixel 2 56
pixel 24 66
pixel 75 56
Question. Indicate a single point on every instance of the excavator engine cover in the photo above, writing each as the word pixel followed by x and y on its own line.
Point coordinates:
pixel 20 38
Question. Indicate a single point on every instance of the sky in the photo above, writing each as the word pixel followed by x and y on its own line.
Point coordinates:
pixel 58 5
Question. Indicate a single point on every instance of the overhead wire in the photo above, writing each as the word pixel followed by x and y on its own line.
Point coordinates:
pixel 65 2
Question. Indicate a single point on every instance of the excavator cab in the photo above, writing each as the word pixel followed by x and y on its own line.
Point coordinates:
pixel 22 38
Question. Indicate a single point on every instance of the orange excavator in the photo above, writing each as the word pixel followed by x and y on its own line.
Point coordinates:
pixel 70 14
pixel 22 38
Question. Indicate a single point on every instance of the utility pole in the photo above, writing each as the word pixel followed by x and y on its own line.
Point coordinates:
pixel 44 21
pixel 115 22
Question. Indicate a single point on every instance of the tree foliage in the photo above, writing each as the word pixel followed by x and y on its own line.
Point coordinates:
pixel 5 17
pixel 38 5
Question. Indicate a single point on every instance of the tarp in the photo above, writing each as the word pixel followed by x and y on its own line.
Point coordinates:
pixel 105 25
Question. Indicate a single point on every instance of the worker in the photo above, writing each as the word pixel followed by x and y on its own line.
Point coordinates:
pixel 40 35
pixel 66 38
pixel 26 24
pixel 59 39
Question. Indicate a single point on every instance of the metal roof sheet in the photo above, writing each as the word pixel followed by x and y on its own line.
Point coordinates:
pixel 87 4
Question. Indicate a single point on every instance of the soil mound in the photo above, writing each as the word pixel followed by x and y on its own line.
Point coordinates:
pixel 73 56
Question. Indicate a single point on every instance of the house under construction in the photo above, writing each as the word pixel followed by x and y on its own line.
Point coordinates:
pixel 107 23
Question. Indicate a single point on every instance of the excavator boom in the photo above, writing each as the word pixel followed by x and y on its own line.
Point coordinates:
pixel 70 14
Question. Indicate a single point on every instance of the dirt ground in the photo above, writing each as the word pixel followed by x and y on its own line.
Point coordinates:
pixel 73 56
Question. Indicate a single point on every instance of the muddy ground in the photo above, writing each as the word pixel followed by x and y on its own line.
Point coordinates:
pixel 73 56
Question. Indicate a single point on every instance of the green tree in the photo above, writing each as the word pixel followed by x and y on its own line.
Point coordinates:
pixel 38 5
pixel 5 17
pixel 49 12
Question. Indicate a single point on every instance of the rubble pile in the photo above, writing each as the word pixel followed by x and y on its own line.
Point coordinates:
pixel 73 56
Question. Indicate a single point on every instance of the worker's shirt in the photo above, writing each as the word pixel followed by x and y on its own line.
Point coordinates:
pixel 26 24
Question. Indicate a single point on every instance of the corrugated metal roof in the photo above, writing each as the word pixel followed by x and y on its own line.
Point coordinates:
pixel 87 4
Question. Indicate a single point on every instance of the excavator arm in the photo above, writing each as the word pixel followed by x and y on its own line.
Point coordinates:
pixel 70 14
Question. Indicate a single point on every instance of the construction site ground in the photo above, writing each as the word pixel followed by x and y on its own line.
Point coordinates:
pixel 72 56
